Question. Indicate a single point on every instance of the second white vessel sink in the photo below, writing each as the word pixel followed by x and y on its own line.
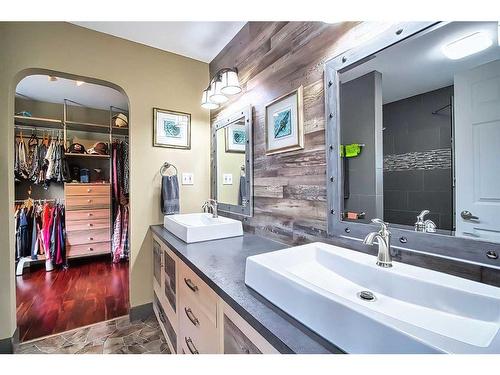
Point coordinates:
pixel 413 310
pixel 202 227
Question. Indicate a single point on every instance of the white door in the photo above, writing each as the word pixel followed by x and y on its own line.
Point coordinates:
pixel 477 152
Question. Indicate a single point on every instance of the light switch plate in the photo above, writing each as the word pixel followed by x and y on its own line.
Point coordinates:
pixel 227 179
pixel 188 179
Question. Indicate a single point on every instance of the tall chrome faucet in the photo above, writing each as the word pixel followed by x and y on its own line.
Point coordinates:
pixel 211 204
pixel 383 236
pixel 426 226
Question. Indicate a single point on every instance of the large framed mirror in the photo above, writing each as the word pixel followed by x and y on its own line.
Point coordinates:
pixel 232 162
pixel 414 136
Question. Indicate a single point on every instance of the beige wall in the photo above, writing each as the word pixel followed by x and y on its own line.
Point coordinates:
pixel 150 78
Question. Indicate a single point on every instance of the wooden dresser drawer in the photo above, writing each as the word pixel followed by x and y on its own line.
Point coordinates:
pixel 197 328
pixel 86 189
pixel 103 213
pixel 89 249
pixel 81 202
pixel 87 224
pixel 200 293
pixel 81 237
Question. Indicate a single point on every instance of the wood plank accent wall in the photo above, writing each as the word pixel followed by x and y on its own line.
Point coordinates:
pixel 274 58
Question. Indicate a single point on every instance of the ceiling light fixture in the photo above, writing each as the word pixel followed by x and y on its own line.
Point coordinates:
pixel 79 83
pixel 223 84
pixel 467 46
pixel 52 78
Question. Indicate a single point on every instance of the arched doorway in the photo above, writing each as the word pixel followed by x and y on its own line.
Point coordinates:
pixel 71 223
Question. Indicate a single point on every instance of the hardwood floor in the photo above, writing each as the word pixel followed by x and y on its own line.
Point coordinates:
pixel 89 291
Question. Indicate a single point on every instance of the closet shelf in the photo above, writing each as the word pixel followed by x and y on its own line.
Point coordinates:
pixel 87 126
pixel 38 122
pixel 71 154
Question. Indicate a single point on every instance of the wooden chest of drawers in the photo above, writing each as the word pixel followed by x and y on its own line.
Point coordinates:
pixel 88 219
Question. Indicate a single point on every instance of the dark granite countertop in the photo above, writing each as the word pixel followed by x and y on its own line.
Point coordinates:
pixel 221 264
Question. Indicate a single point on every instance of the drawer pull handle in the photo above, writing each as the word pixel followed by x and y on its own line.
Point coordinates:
pixel 190 345
pixel 89 190
pixel 91 225
pixel 91 238
pixel 191 317
pixel 191 285
pixel 89 200
pixel 91 249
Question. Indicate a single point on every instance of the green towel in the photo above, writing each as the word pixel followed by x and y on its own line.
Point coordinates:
pixel 350 151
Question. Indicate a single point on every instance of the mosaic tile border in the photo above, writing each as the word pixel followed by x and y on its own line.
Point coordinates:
pixel 423 160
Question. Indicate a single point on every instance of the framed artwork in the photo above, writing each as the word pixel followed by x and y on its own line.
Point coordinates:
pixel 284 123
pixel 236 137
pixel 171 129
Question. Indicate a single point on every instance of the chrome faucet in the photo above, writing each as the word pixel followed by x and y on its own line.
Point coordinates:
pixel 383 236
pixel 211 204
pixel 426 226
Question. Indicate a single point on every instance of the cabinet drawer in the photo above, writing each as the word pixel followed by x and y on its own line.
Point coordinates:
pixel 197 328
pixel 78 202
pixel 81 237
pixel 87 224
pixel 89 249
pixel 192 286
pixel 86 189
pixel 87 214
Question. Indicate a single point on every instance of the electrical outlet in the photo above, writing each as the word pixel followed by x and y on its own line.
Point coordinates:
pixel 188 179
pixel 227 179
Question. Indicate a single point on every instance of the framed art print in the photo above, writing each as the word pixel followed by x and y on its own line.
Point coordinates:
pixel 171 129
pixel 284 123
pixel 236 137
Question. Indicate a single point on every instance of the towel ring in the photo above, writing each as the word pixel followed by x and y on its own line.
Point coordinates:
pixel 165 167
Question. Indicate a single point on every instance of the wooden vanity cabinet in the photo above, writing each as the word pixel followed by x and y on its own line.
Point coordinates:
pixel 157 264
pixel 165 270
pixel 193 318
pixel 239 337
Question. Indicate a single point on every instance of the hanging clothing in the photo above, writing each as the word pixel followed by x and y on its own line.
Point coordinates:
pixel 41 230
pixel 120 235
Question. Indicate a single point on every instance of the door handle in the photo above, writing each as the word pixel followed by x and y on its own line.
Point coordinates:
pixel 467 215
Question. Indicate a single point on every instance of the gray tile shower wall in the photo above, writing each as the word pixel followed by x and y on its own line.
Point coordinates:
pixel 418 159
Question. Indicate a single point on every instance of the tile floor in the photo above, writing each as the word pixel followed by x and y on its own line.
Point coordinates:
pixel 117 336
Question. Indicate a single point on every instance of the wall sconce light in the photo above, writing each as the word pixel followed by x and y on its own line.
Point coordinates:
pixel 224 83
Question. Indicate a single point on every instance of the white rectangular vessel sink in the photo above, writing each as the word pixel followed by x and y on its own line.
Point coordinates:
pixel 414 310
pixel 202 227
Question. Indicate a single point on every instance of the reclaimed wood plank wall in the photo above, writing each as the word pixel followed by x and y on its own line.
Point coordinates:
pixel 274 58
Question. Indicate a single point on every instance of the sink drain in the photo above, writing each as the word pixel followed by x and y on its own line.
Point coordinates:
pixel 365 295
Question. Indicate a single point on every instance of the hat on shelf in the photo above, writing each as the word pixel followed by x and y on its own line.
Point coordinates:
pixel 120 120
pixel 76 148
pixel 99 148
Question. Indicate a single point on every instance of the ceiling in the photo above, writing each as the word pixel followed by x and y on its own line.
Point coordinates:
pixel 198 40
pixel 38 87
pixel 418 65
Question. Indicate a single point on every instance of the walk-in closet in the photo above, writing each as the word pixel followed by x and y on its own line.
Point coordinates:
pixel 71 213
